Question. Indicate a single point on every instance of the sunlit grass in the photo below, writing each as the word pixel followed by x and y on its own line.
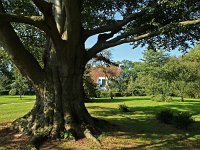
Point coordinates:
pixel 138 128
pixel 16 99
pixel 12 107
pixel 11 112
pixel 143 129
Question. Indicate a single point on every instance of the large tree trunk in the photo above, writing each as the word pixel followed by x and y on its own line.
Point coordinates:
pixel 59 108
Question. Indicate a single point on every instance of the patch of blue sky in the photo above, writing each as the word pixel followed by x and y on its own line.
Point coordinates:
pixel 126 51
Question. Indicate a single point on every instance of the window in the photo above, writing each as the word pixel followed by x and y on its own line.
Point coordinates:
pixel 103 83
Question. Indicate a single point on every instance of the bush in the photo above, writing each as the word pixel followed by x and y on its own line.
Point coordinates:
pixel 104 94
pixel 13 92
pixel 182 120
pixel 161 98
pixel 139 92
pixel 126 94
pixel 5 92
pixel 117 94
pixel 165 116
pixel 123 108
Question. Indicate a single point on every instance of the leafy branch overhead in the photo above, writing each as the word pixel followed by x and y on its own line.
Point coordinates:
pixel 119 22
pixel 115 23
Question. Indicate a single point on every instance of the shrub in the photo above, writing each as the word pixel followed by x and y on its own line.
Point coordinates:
pixel 104 94
pixel 123 108
pixel 13 92
pixel 5 92
pixel 126 94
pixel 161 98
pixel 182 120
pixel 165 116
pixel 117 94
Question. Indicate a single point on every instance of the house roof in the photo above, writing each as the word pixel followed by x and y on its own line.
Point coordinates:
pixel 107 72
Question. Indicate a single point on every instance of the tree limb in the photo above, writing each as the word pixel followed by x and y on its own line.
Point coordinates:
pixel 37 21
pixel 137 31
pixel 114 26
pixel 47 10
pixel 100 57
pixel 45 23
pixel 25 61
pixel 44 7
pixel 126 37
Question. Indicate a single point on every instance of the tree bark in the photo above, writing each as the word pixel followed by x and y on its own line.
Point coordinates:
pixel 182 98
pixel 59 109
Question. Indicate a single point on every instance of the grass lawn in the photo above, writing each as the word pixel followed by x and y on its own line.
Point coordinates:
pixel 138 128
pixel 12 107
pixel 16 99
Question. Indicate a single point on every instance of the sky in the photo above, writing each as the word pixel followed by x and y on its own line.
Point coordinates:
pixel 126 51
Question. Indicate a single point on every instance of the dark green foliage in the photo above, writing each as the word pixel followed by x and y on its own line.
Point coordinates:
pixel 89 87
pixel 123 108
pixel 104 94
pixel 6 74
pixel 165 116
pixel 126 94
pixel 66 136
pixel 182 120
pixel 117 94
pixel 157 14
pixel 4 92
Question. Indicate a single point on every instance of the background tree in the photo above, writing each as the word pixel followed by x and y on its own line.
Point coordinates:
pixel 152 76
pixel 155 57
pixel 6 74
pixel 127 73
pixel 184 73
pixel 19 84
pixel 67 25
pixel 193 56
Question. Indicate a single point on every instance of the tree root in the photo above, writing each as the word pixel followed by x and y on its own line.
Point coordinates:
pixel 38 139
pixel 89 135
pixel 40 132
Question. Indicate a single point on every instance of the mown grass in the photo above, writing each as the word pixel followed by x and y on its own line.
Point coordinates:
pixel 138 128
pixel 16 99
pixel 12 107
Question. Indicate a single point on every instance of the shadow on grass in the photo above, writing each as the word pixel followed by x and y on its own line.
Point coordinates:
pixel 136 98
pixel 140 123
pixel 120 99
pixel 9 139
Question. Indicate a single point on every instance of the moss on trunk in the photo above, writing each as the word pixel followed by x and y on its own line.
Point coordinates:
pixel 59 112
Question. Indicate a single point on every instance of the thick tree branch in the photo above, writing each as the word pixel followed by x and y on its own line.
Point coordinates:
pixel 47 10
pixel 114 26
pixel 37 21
pixel 126 37
pixel 43 6
pixel 46 23
pixel 25 61
pixel 100 57
pixel 137 31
